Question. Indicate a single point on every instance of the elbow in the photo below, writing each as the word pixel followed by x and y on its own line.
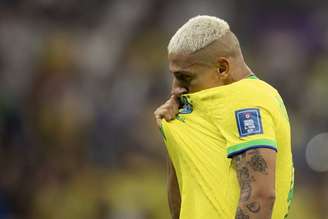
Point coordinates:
pixel 269 198
pixel 265 195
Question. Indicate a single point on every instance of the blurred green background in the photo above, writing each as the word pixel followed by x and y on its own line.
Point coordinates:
pixel 80 79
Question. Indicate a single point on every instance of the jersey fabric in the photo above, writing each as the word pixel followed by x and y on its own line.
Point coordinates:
pixel 214 125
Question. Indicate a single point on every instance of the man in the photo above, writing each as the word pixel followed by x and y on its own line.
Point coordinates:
pixel 229 143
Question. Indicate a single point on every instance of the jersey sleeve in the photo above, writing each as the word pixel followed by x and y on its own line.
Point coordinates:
pixel 247 125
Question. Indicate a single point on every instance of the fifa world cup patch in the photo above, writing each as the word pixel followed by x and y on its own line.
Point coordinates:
pixel 249 122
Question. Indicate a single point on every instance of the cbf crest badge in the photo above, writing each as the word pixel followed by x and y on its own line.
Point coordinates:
pixel 249 122
pixel 186 106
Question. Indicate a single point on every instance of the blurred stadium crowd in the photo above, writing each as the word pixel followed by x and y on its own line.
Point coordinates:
pixel 79 80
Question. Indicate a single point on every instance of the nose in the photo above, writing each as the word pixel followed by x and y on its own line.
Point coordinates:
pixel 179 84
pixel 179 91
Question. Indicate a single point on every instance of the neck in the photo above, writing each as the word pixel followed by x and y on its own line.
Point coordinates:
pixel 240 72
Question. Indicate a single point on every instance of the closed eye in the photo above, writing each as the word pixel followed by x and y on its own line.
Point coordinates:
pixel 183 77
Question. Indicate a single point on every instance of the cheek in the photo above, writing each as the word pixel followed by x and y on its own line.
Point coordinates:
pixel 207 78
pixel 204 81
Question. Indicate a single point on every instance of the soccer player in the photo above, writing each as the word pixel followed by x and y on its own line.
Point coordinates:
pixel 229 142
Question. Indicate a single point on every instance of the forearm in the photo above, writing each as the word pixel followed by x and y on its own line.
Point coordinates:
pixel 173 193
pixel 255 208
pixel 174 205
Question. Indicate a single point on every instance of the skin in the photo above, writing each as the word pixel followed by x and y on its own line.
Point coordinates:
pixel 256 175
pixel 170 108
pixel 219 64
pixel 174 197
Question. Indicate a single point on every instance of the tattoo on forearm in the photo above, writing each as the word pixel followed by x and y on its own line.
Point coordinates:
pixel 257 162
pixel 239 158
pixel 254 207
pixel 245 191
pixel 243 173
pixel 241 215
pixel 244 179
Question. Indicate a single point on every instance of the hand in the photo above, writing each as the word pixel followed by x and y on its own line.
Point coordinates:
pixel 170 108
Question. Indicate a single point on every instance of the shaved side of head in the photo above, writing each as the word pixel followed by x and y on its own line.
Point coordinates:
pixel 227 46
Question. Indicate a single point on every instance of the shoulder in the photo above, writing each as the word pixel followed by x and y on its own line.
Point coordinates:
pixel 255 88
pixel 253 92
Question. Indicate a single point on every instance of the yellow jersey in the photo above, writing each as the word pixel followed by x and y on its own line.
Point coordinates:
pixel 212 126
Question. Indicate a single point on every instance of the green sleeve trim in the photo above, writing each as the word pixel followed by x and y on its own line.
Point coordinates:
pixel 259 143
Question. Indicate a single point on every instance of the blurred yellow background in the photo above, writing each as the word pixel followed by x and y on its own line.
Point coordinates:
pixel 80 79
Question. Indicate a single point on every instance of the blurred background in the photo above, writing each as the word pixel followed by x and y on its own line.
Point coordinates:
pixel 80 79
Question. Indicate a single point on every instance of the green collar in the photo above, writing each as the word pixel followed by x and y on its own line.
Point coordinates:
pixel 252 76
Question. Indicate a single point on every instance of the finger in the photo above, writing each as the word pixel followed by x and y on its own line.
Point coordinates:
pixel 173 102
pixel 159 112
pixel 176 92
pixel 171 114
pixel 168 117
pixel 158 121
pixel 175 107
pixel 165 112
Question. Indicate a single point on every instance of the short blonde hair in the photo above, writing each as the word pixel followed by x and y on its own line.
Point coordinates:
pixel 197 33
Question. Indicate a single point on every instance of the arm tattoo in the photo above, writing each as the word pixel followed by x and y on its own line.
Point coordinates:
pixel 254 207
pixel 245 186
pixel 244 177
pixel 249 165
pixel 257 162
pixel 241 215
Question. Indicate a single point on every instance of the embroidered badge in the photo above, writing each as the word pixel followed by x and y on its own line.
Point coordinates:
pixel 249 122
pixel 186 106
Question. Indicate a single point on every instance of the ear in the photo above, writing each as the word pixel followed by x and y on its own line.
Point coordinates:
pixel 223 68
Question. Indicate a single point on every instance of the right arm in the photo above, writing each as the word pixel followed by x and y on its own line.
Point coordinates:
pixel 174 197
pixel 168 111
